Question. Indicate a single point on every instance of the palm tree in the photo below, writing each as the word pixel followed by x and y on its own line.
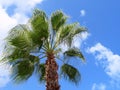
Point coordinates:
pixel 36 47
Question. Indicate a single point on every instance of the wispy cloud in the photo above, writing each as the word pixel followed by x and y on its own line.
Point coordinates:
pixel 100 86
pixel 7 22
pixel 79 39
pixel 82 12
pixel 109 60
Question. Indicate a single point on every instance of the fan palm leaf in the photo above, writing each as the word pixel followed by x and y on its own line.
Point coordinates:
pixel 22 70
pixel 39 26
pixel 58 19
pixel 70 73
pixel 74 52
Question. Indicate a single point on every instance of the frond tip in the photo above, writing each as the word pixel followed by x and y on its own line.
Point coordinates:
pixel 74 52
pixel 70 73
pixel 58 19
pixel 41 72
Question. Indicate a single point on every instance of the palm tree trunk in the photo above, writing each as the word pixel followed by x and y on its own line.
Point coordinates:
pixel 51 74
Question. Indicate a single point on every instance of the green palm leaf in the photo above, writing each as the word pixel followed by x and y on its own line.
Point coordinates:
pixel 19 37
pixel 74 52
pixel 17 54
pixel 22 70
pixel 65 32
pixel 40 27
pixel 58 19
pixel 70 73
pixel 79 30
pixel 41 72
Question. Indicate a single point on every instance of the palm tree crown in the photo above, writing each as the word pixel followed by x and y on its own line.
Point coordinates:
pixel 35 47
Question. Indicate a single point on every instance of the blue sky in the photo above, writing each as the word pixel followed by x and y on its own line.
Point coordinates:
pixel 101 47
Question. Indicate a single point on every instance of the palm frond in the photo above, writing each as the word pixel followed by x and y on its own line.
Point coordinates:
pixel 70 73
pixel 79 30
pixel 74 52
pixel 64 32
pixel 33 59
pixel 22 70
pixel 18 30
pixel 16 54
pixel 41 72
pixel 68 32
pixel 19 37
pixel 18 43
pixel 39 26
pixel 58 19
pixel 37 12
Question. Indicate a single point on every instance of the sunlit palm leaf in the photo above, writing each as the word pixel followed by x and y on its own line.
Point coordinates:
pixel 39 26
pixel 70 73
pixel 58 19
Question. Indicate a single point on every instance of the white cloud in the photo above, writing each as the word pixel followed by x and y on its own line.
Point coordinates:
pixel 100 86
pixel 22 8
pixel 109 60
pixel 6 23
pixel 20 18
pixel 22 5
pixel 79 39
pixel 84 35
pixel 82 12
pixel 5 72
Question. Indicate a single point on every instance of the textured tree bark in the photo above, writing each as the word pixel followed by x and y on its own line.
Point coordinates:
pixel 51 74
